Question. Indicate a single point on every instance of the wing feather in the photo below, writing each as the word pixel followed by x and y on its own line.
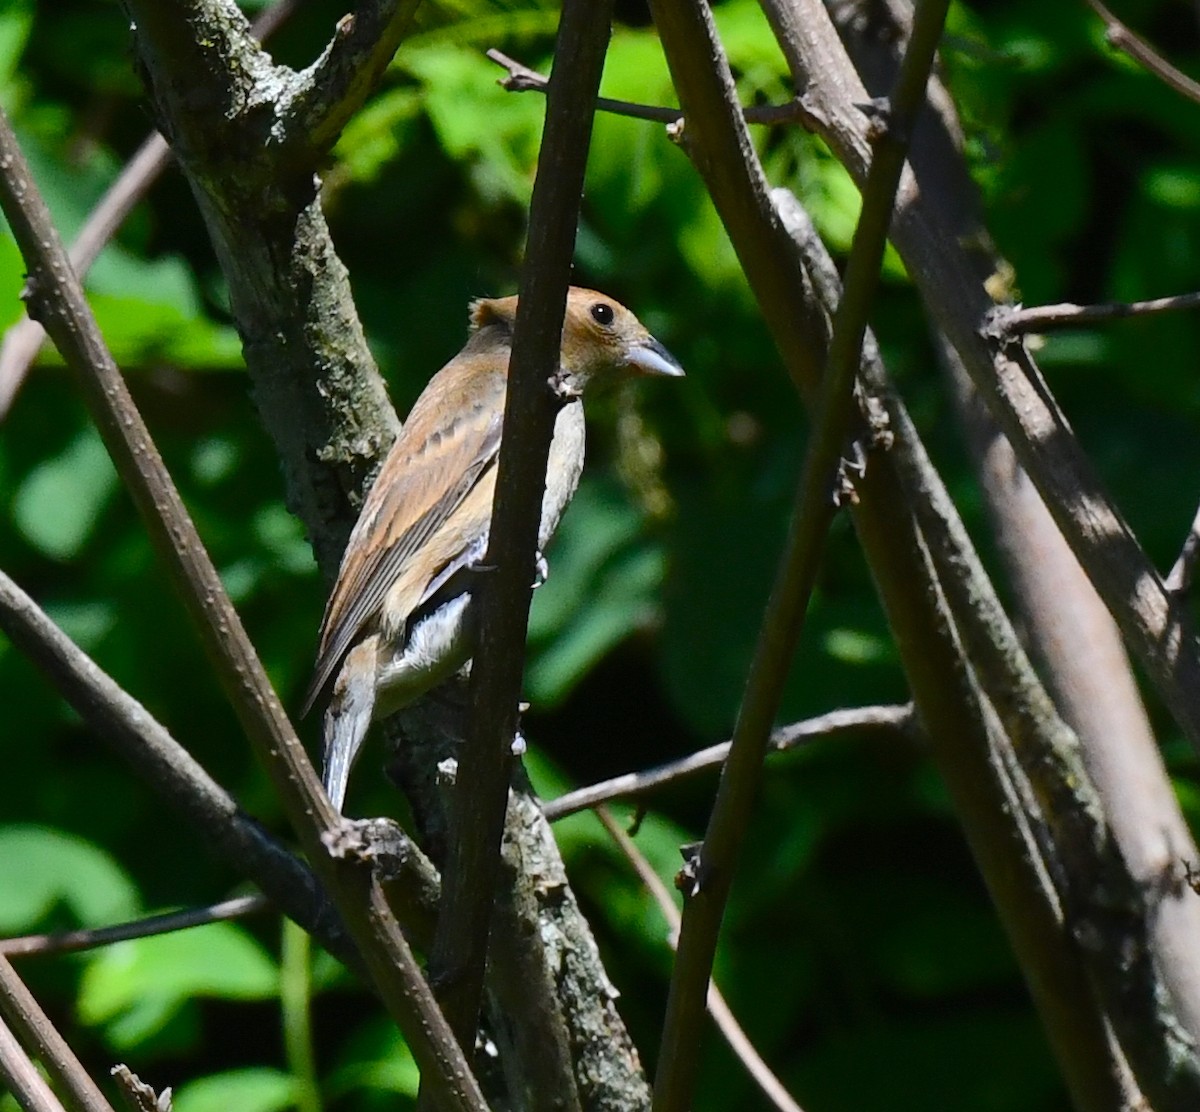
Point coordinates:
pixel 442 463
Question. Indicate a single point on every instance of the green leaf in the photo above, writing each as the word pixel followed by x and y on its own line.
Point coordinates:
pixel 256 1089
pixel 377 1058
pixel 41 869
pixel 16 21
pixel 57 506
pixel 135 987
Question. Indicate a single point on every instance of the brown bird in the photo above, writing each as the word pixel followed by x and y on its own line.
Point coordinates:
pixel 398 621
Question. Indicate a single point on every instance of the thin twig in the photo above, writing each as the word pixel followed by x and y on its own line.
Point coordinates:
pixel 712 872
pixel 79 1092
pixel 23 340
pixel 481 791
pixel 773 1089
pixel 1123 39
pixel 1007 321
pixel 55 295
pixel 522 79
pixel 897 719
pixel 69 942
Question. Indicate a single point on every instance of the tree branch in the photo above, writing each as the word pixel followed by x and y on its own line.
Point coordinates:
pixel 56 297
pixel 216 94
pixel 22 341
pixel 457 962
pixel 732 811
pixel 892 721
pixel 1123 39
pixel 80 1092
pixel 1006 321
pixel 72 942
pixel 731 1031
pixel 948 701
pixel 522 79
pixel 953 285
pixel 154 755
pixel 323 97
pixel 21 1076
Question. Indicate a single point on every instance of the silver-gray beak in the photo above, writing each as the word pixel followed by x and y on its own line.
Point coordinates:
pixel 649 357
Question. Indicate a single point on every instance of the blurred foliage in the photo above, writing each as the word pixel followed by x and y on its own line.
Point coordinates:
pixel 858 930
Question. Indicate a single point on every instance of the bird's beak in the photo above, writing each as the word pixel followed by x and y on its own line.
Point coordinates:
pixel 649 357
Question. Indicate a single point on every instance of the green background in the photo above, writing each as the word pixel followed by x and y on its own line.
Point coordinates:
pixel 860 951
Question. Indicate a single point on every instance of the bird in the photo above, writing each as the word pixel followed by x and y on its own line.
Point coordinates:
pixel 399 618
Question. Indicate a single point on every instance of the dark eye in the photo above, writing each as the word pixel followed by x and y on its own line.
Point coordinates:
pixel 602 313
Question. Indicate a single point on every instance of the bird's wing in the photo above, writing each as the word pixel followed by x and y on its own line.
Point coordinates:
pixel 429 507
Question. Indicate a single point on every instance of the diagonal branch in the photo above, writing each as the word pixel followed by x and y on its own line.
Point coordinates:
pixel 21 1076
pixel 57 298
pixel 745 1051
pixel 1123 39
pixel 157 757
pixel 895 721
pixel 814 511
pixel 952 282
pixel 21 342
pixel 323 97
pixel 79 1092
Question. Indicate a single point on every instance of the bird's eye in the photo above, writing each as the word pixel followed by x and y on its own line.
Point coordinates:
pixel 602 313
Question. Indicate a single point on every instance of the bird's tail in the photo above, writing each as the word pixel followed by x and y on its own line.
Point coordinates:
pixel 348 718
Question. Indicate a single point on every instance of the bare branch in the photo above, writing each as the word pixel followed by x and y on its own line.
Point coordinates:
pixel 80 1092
pixel 57 298
pixel 323 97
pixel 469 875
pixel 813 514
pixel 1107 909
pixel 69 942
pixel 953 283
pixel 216 92
pixel 21 1076
pixel 885 720
pixel 745 1051
pixel 1006 321
pixel 522 79
pixel 1123 39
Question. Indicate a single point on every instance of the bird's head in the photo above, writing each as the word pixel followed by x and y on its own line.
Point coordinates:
pixel 601 339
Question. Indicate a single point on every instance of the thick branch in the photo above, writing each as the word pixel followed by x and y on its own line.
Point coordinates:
pixel 322 99
pixel 318 394
pixel 530 409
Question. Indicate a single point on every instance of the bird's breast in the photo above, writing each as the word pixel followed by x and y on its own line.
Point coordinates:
pixel 563 469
